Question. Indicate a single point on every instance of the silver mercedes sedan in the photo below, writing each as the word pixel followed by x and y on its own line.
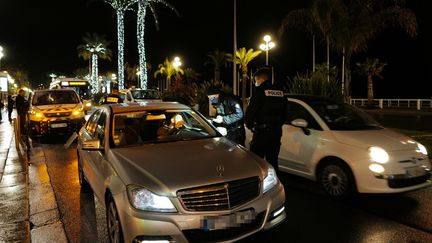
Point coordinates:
pixel 165 174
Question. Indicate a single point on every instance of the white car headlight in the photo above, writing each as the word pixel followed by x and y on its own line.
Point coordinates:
pixel 379 155
pixel 146 200
pixel 270 180
pixel 422 149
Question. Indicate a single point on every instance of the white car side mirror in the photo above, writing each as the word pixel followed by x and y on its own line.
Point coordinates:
pixel 299 123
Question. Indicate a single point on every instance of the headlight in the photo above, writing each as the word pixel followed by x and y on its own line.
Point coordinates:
pixel 422 149
pixel 37 114
pixel 379 155
pixel 271 180
pixel 78 112
pixel 144 199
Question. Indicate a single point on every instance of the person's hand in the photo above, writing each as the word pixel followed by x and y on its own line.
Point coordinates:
pixel 218 119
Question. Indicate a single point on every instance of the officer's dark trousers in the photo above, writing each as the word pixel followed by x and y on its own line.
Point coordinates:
pixel 237 135
pixel 266 144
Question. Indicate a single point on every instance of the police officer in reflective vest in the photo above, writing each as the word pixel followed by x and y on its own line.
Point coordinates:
pixel 265 116
pixel 229 114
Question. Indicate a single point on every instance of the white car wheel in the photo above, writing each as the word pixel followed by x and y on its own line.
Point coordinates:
pixel 337 180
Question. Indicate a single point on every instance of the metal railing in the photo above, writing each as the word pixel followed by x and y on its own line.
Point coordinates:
pixel 395 103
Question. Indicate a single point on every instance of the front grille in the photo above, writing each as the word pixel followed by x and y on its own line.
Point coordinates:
pixel 405 182
pixel 223 196
pixel 57 114
pixel 200 235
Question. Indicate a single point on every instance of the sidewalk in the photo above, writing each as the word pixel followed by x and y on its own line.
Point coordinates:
pixel 14 200
pixel 28 207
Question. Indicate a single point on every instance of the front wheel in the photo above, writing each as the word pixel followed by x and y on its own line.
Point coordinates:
pixel 337 180
pixel 115 233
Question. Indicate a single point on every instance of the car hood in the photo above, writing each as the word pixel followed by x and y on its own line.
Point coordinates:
pixel 165 168
pixel 384 138
pixel 56 107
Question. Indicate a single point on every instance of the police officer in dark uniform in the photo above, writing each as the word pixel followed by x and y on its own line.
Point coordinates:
pixel 265 116
pixel 229 114
pixel 112 98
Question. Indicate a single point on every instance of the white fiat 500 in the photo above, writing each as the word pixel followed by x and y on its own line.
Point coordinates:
pixel 346 150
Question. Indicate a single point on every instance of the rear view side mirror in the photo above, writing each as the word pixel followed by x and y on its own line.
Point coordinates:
pixel 92 144
pixel 301 123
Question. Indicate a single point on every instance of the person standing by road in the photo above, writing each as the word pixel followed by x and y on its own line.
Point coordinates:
pixel 10 106
pixel 229 114
pixel 265 116
pixel 22 107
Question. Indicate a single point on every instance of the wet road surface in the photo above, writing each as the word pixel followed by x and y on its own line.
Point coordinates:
pixel 311 215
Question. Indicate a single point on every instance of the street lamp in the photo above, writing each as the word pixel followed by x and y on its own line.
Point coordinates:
pixel 176 63
pixel 1 55
pixel 267 46
pixel 53 76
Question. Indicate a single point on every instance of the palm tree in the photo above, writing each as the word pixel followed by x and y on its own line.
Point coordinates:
pixel 371 68
pixel 217 60
pixel 168 70
pixel 141 15
pixel 191 75
pixel 243 58
pixel 120 7
pixel 355 23
pixel 95 47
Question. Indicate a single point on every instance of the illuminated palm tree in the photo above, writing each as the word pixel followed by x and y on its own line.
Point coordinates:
pixel 120 7
pixel 218 59
pixel 371 68
pixel 95 47
pixel 168 70
pixel 243 58
pixel 141 15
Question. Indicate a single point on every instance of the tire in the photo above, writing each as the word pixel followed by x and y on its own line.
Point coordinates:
pixel 337 180
pixel 85 186
pixel 115 233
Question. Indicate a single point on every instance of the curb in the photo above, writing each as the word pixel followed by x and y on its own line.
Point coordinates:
pixel 45 221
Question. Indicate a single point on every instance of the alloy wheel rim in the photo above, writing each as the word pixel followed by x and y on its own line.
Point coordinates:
pixel 113 224
pixel 334 180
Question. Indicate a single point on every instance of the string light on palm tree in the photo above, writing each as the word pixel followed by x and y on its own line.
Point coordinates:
pixel 267 46
pixel 1 55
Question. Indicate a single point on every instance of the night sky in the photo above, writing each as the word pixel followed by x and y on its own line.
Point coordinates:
pixel 42 36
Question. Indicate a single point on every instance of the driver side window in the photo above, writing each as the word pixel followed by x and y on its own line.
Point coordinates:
pixel 100 128
pixel 297 111
pixel 91 124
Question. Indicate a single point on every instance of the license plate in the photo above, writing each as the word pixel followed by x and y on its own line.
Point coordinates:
pixel 227 221
pixel 415 171
pixel 57 125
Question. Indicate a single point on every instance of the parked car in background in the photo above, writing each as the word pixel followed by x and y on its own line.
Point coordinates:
pixel 165 173
pixel 346 150
pixel 140 95
pixel 55 112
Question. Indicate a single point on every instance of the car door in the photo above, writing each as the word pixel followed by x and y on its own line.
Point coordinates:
pixel 87 160
pixel 97 156
pixel 298 145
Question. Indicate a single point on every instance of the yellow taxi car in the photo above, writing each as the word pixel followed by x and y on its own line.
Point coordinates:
pixel 55 112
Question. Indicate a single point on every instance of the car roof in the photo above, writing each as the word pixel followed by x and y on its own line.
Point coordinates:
pixel 145 106
pixel 310 98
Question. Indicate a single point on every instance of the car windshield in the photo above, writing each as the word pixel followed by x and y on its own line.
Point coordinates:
pixel 145 94
pixel 51 97
pixel 340 116
pixel 159 126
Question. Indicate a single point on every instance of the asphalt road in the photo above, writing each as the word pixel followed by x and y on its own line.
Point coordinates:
pixel 311 215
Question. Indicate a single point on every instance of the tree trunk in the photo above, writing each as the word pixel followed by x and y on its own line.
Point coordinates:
pixel 120 48
pixel 141 43
pixel 95 76
pixel 244 78
pixel 217 74
pixel 370 94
